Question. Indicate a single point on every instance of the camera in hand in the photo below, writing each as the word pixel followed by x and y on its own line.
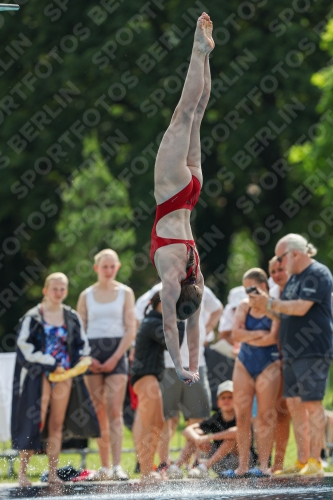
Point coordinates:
pixel 252 289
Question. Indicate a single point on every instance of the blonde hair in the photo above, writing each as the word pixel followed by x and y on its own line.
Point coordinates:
pixel 107 252
pixel 55 276
pixel 272 261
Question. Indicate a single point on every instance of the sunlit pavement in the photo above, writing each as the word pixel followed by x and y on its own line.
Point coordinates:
pixel 269 488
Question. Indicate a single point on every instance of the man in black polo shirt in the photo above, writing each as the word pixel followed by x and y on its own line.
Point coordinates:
pixel 305 309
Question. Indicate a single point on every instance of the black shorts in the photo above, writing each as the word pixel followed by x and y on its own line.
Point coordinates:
pixel 305 378
pixel 136 378
pixel 102 349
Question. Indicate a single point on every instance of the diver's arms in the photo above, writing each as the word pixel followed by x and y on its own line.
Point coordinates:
pixel 193 332
pixel 169 296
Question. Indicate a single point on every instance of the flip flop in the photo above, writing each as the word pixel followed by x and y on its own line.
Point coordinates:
pixel 230 474
pixel 256 473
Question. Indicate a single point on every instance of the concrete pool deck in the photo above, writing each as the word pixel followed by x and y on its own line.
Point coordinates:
pixel 266 488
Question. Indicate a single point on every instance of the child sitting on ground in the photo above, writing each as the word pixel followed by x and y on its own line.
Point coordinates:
pixel 216 435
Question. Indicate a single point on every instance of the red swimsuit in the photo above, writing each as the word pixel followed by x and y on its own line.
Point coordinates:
pixel 186 198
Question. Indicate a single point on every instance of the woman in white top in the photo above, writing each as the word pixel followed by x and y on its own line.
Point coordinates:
pixel 107 311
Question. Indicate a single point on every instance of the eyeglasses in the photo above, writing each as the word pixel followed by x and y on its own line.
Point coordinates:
pixel 280 259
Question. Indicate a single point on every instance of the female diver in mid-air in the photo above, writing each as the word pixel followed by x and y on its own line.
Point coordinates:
pixel 178 180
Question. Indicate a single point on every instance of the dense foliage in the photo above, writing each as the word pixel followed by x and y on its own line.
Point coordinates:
pixel 112 72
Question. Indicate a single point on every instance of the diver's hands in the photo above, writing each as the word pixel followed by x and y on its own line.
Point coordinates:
pixel 188 377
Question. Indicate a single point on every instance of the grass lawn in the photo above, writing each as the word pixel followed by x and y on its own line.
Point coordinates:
pixel 38 463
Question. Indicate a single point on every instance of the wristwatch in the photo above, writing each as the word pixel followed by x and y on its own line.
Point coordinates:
pixel 269 304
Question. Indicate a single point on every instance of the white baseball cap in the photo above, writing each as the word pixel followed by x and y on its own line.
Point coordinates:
pixel 227 386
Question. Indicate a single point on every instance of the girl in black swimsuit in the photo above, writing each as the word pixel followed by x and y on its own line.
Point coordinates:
pixel 146 372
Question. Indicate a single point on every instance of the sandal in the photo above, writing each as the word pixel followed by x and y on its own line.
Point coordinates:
pixel 230 474
pixel 256 473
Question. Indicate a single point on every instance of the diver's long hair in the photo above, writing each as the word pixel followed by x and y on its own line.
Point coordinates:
pixel 191 295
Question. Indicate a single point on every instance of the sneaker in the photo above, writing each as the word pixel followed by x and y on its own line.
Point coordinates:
pixel 174 472
pixel 103 474
pixel 119 474
pixel 199 472
pixel 294 469
pixel 312 468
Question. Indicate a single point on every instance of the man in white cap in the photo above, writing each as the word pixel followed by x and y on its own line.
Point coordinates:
pixel 216 435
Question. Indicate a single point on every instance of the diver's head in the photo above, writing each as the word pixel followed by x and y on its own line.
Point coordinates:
pixel 189 300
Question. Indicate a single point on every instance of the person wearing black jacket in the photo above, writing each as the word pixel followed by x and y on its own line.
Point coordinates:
pixel 146 371
pixel 51 339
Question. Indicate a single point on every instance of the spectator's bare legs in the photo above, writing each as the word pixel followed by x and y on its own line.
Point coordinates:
pixel 115 388
pixel 60 394
pixel 163 447
pixel 136 429
pixel 190 446
pixel 328 436
pixel 57 397
pixel 171 171
pixel 243 400
pixel 25 456
pixel 186 453
pixel 150 408
pixel 267 388
pixel 282 431
pixel 95 384
pixel 316 414
pixel 228 446
pixel 168 431
pixel 301 426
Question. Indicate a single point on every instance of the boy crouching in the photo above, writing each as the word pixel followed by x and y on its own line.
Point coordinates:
pixel 216 436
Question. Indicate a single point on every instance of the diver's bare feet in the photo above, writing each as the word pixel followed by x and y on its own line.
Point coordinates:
pixel 23 481
pixel 188 377
pixel 203 38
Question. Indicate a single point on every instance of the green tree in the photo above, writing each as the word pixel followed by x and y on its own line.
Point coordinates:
pixel 118 69
pixel 94 216
pixel 314 163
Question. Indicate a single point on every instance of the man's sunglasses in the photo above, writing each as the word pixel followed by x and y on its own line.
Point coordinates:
pixel 280 259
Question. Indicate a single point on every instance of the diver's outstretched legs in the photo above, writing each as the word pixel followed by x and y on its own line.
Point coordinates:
pixel 171 171
pixel 194 153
